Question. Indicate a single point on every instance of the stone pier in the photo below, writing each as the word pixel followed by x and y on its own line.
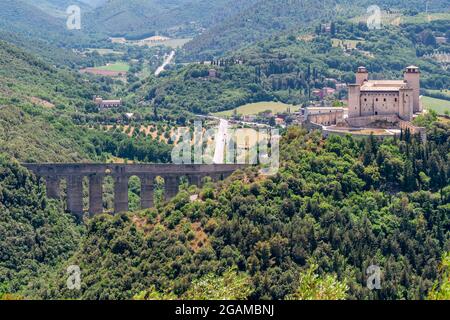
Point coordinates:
pixel 147 188
pixel 75 195
pixel 53 187
pixel 171 186
pixel 95 194
pixel 74 174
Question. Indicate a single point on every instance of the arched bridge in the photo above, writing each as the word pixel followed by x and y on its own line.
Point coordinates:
pixel 74 174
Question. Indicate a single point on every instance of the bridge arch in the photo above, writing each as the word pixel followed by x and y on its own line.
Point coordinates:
pixel 121 173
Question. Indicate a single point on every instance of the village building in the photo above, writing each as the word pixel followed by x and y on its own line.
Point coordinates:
pixel 212 73
pixel 341 86
pixel 279 121
pixel 324 115
pixel 441 40
pixel 104 104
pixel 324 92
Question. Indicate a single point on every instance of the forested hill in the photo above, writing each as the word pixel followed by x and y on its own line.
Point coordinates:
pixel 137 18
pixel 36 234
pixel 269 17
pixel 24 76
pixel 287 68
pixel 37 29
pixel 336 207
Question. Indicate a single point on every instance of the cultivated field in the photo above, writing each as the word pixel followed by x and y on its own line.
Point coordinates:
pixel 103 52
pixel 397 18
pixel 424 17
pixel 438 105
pixel 117 67
pixel 255 108
pixel 172 43
pixel 444 92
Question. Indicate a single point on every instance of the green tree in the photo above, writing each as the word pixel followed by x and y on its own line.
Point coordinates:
pixel 313 287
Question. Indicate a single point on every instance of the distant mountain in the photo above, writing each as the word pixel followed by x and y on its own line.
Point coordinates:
pixel 35 29
pixel 267 17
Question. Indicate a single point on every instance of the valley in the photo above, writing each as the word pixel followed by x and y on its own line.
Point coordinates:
pixel 93 123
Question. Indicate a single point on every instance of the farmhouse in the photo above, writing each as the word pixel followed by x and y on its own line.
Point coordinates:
pixel 107 103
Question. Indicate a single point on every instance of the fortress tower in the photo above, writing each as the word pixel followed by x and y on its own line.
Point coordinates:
pixel 412 77
pixel 362 75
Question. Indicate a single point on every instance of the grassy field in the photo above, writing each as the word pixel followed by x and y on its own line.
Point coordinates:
pixel 175 43
pixel 424 17
pixel 255 108
pixel 118 67
pixel 444 92
pixel 171 43
pixel 399 18
pixel 351 44
pixel 438 105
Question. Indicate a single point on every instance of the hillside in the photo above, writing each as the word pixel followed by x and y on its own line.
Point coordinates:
pixel 51 40
pixel 138 18
pixel 42 108
pixel 268 17
pixel 36 234
pixel 336 206
pixel 288 68
pixel 24 76
pixel 57 8
pixel 331 205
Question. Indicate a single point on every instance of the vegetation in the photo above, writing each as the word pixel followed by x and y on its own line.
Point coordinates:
pixel 288 68
pixel 255 108
pixel 118 66
pixel 335 207
pixel 439 105
pixel 441 291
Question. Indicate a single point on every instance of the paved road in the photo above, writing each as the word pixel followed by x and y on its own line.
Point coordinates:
pixel 221 138
pixel 165 63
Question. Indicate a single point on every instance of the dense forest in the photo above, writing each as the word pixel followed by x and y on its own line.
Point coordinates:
pixel 288 68
pixel 36 234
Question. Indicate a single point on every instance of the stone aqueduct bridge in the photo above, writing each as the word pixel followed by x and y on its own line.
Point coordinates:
pixel 74 174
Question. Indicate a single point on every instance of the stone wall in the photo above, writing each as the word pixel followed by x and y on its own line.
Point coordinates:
pixel 361 122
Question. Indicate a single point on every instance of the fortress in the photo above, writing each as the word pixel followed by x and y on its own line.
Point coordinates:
pixel 383 107
pixel 372 100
